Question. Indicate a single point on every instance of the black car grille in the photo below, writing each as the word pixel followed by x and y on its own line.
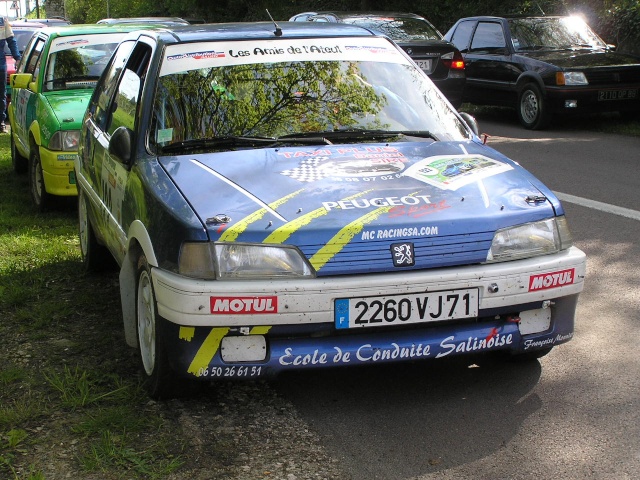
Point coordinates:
pixel 608 77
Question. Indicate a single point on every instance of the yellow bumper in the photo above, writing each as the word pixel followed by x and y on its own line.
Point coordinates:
pixel 58 173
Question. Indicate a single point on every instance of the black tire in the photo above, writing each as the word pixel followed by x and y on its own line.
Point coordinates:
pixel 20 163
pixel 41 199
pixel 159 379
pixel 529 356
pixel 532 108
pixel 95 257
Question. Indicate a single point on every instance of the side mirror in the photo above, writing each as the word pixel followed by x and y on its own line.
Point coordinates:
pixel 20 80
pixel 471 122
pixel 120 145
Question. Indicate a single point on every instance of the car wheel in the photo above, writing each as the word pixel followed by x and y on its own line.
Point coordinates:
pixel 160 380
pixel 95 257
pixel 39 195
pixel 529 356
pixel 532 108
pixel 20 164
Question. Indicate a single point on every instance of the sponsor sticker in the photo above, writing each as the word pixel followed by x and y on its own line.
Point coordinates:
pixel 243 305
pixel 545 281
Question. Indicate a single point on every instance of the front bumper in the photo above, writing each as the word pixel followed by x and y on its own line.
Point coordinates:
pixel 58 173
pixel 594 99
pixel 299 331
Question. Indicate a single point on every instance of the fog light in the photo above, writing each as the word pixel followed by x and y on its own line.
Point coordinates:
pixel 571 104
pixel 250 348
pixel 535 321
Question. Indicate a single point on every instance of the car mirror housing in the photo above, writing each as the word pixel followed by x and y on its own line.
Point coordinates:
pixel 21 80
pixel 471 122
pixel 120 144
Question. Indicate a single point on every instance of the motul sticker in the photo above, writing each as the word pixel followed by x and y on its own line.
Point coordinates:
pixel 552 280
pixel 243 305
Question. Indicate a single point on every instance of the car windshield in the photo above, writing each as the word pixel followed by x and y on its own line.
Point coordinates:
pixel 77 62
pixel 553 33
pixel 238 89
pixel 398 29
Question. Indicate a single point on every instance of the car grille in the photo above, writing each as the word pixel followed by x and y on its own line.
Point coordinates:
pixel 431 252
pixel 607 77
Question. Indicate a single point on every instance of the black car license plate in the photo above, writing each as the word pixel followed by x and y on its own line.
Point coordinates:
pixel 626 94
pixel 402 309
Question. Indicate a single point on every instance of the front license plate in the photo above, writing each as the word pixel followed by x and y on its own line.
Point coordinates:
pixel 425 65
pixel 630 94
pixel 403 309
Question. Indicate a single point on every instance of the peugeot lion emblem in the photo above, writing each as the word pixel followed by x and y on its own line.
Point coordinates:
pixel 403 254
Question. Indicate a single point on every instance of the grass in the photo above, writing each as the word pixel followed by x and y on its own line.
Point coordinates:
pixel 68 383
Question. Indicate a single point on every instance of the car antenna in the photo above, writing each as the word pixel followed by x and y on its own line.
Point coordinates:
pixel 540 8
pixel 278 31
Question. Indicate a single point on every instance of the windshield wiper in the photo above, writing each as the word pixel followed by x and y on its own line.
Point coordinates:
pixel 355 134
pixel 218 142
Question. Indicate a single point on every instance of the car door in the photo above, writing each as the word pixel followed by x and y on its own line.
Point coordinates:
pixel 114 104
pixel 491 73
pixel 24 99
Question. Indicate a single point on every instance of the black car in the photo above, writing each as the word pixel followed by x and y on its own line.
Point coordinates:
pixel 544 66
pixel 439 59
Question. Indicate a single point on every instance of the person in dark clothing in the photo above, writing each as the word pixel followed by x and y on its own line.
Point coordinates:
pixel 6 37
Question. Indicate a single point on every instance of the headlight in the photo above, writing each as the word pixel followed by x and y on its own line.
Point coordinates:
pixel 571 78
pixel 530 240
pixel 241 261
pixel 65 140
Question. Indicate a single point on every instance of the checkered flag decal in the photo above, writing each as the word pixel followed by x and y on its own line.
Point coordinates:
pixel 308 170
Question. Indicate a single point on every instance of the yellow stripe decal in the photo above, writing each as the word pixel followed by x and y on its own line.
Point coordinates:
pixel 207 350
pixel 260 330
pixel 186 333
pixel 281 234
pixel 232 233
pixel 344 236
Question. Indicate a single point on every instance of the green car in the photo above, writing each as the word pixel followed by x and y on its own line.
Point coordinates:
pixel 50 91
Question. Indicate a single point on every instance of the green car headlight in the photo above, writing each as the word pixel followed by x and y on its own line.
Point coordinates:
pixel 242 261
pixel 530 240
pixel 65 140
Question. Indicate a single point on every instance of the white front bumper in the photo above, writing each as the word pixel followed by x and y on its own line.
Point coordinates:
pixel 185 301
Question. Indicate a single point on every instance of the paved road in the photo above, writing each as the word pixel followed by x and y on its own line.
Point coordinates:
pixel 575 414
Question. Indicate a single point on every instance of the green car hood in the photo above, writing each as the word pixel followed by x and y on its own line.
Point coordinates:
pixel 69 107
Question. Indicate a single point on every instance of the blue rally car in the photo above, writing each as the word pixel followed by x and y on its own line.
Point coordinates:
pixel 302 196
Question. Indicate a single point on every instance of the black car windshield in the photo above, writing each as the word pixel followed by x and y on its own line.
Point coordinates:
pixel 398 29
pixel 295 88
pixel 553 33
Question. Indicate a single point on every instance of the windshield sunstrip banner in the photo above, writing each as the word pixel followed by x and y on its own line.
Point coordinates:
pixel 195 56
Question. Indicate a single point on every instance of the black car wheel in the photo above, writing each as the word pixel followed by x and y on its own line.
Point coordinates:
pixel 20 164
pixel 95 257
pixel 532 108
pixel 39 195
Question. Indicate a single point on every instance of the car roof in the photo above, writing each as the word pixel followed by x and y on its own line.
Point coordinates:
pixel 510 17
pixel 254 30
pixel 90 29
pixel 354 14
pixel 29 25
pixel 160 20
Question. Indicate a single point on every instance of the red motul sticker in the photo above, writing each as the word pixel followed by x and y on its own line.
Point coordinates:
pixel 552 279
pixel 243 305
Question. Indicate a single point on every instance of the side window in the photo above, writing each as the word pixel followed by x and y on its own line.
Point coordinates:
pixel 462 35
pixel 33 59
pixel 488 37
pixel 109 83
pixel 124 108
pixel 126 102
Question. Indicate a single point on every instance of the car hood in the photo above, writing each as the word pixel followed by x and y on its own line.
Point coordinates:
pixel 584 58
pixel 69 107
pixel 351 203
